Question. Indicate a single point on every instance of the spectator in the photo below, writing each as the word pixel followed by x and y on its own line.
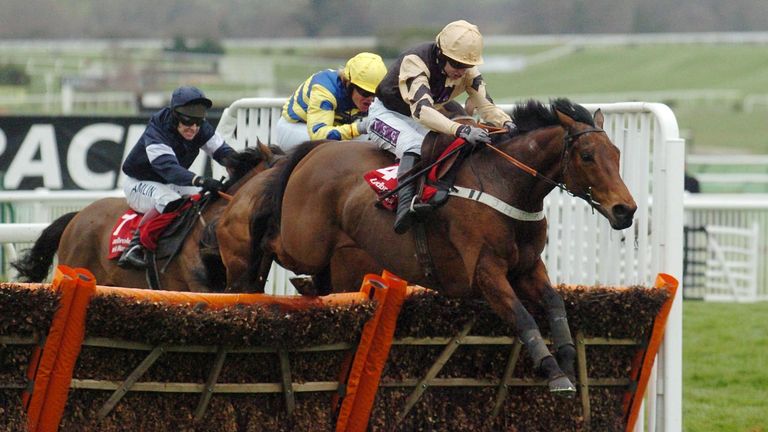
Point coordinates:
pixel 691 183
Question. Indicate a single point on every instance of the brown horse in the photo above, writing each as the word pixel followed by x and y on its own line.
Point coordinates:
pixel 326 213
pixel 233 232
pixel 81 239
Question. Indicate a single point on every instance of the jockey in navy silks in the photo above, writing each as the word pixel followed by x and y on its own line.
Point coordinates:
pixel 157 168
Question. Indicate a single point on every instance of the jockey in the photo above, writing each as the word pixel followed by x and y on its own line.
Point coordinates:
pixel 410 97
pixel 331 104
pixel 157 166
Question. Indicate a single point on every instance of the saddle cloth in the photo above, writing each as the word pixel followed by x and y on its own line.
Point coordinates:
pixel 150 232
pixel 122 233
pixel 383 180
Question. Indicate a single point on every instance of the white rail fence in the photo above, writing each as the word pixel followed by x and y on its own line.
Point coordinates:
pixel 725 236
pixel 727 232
pixel 730 267
pixel 730 173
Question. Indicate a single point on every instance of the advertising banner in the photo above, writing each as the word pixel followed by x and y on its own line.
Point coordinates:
pixel 70 153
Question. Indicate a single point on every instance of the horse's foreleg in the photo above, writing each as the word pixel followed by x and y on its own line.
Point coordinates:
pixel 536 286
pixel 490 279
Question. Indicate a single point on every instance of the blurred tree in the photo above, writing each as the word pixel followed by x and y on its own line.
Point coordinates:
pixel 13 75
pixel 290 18
pixel 332 18
pixel 205 46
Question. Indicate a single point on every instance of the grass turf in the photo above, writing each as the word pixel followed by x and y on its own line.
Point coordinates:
pixel 725 367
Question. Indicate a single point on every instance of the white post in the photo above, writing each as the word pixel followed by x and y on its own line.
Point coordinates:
pixel 671 252
pixel 67 98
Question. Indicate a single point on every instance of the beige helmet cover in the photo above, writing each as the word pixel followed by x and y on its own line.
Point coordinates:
pixel 462 42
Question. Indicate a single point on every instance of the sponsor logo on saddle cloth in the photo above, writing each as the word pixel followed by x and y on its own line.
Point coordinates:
pixel 150 232
pixel 383 180
pixel 122 232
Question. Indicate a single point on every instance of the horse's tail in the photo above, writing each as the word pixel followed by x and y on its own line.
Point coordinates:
pixel 265 217
pixel 33 265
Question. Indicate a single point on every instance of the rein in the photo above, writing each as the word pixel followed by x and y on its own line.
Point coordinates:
pixel 568 141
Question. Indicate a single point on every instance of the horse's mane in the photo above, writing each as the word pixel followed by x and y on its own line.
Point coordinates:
pixel 269 211
pixel 533 114
pixel 241 163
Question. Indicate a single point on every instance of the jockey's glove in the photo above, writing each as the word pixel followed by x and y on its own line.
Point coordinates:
pixel 473 135
pixel 208 184
pixel 362 125
pixel 509 126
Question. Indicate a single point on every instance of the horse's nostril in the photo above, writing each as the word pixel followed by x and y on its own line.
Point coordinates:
pixel 622 211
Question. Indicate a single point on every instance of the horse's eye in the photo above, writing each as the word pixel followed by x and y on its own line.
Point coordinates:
pixel 587 156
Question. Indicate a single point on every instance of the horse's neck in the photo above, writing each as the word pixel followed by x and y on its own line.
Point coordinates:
pixel 550 156
pixel 541 150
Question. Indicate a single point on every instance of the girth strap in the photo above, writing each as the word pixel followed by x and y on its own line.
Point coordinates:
pixel 422 251
pixel 496 204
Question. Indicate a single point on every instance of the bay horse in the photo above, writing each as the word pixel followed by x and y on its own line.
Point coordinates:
pixel 326 215
pixel 82 239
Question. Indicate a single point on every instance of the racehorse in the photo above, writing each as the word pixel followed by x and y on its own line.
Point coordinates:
pixel 82 239
pixel 233 232
pixel 489 247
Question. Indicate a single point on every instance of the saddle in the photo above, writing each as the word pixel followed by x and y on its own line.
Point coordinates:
pixel 442 176
pixel 434 187
pixel 163 237
pixel 436 146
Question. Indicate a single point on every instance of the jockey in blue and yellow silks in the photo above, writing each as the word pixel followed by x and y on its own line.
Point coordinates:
pixel 331 104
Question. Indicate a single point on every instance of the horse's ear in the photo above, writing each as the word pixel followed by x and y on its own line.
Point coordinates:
pixel 599 118
pixel 567 122
pixel 265 151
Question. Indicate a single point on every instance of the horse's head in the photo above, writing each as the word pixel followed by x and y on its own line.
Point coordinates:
pixel 251 161
pixel 591 169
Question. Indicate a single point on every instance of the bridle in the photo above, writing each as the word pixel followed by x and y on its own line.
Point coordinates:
pixel 568 141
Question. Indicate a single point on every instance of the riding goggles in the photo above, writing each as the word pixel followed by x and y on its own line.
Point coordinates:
pixel 364 93
pixel 457 65
pixel 189 120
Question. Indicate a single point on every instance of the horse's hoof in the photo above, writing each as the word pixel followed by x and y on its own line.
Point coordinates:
pixel 561 386
pixel 304 285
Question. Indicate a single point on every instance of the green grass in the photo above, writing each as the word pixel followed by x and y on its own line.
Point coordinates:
pixel 717 126
pixel 598 69
pixel 725 367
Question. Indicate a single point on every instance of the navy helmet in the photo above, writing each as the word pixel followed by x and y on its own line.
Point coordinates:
pixel 190 101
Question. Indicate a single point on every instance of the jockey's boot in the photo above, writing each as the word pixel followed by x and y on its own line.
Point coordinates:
pixel 133 256
pixel 407 195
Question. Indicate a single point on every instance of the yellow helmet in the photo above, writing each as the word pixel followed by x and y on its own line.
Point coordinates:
pixel 365 70
pixel 462 42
